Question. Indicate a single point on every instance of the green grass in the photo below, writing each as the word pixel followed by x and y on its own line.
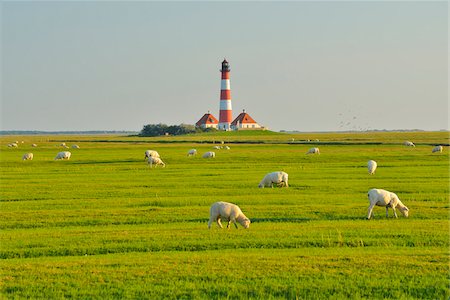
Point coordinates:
pixel 104 225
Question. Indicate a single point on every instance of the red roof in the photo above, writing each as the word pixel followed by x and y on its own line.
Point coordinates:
pixel 243 118
pixel 207 119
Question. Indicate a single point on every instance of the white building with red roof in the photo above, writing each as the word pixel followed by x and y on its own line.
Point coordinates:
pixel 244 122
pixel 207 121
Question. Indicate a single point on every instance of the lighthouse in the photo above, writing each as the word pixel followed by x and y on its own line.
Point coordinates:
pixel 225 115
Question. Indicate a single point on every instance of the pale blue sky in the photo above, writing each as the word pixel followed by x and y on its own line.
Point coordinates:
pixel 308 66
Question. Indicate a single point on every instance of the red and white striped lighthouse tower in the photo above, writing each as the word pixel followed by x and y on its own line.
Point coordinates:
pixel 225 116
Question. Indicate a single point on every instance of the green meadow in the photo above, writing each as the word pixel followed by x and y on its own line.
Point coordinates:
pixel 103 225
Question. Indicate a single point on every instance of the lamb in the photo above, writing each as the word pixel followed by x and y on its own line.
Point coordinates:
pixel 13 145
pixel 63 155
pixel 371 166
pixel 192 152
pixel 75 147
pixel 279 178
pixel 217 147
pixel 27 156
pixel 63 145
pixel 227 211
pixel 151 153
pixel 155 161
pixel 34 145
pixel 227 148
pixel 385 198
pixel 409 144
pixel 209 154
pixel 437 149
pixel 313 151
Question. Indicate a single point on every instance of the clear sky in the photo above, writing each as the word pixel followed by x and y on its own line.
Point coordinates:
pixel 308 66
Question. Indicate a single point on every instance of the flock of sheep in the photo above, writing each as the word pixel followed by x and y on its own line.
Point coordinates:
pixel 232 213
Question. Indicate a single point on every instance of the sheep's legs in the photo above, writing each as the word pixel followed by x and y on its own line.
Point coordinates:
pixel 219 223
pixel 370 212
pixel 395 213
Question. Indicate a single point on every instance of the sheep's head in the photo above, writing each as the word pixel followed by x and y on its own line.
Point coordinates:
pixel 246 223
pixel 405 211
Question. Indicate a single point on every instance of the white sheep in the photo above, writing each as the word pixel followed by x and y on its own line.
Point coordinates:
pixel 371 166
pixel 63 155
pixel 227 148
pixel 63 145
pixel 209 154
pixel 279 178
pixel 192 152
pixel 27 156
pixel 229 212
pixel 385 198
pixel 75 147
pixel 409 144
pixel 34 145
pixel 313 151
pixel 13 145
pixel 155 161
pixel 217 147
pixel 150 153
pixel 437 149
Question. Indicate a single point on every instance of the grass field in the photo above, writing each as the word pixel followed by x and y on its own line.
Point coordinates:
pixel 103 225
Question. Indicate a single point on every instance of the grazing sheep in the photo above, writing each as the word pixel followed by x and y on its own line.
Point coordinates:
pixel 209 154
pixel 227 148
pixel 63 145
pixel 33 145
pixel 437 149
pixel 279 178
pixel 75 147
pixel 192 152
pixel 217 147
pixel 151 153
pixel 313 151
pixel 409 144
pixel 229 212
pixel 63 155
pixel 13 145
pixel 371 166
pixel 385 198
pixel 27 156
pixel 155 161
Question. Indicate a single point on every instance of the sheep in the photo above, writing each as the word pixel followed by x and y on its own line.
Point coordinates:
pixel 228 211
pixel 27 156
pixel 227 148
pixel 313 151
pixel 209 154
pixel 63 155
pixel 385 198
pixel 155 161
pixel 75 147
pixel 33 145
pixel 13 145
pixel 150 153
pixel 371 166
pixel 279 178
pixel 437 149
pixel 63 145
pixel 217 147
pixel 192 152
pixel 409 144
